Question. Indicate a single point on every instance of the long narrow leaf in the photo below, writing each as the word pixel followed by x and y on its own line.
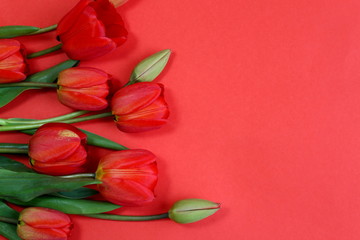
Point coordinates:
pixel 79 193
pixel 12 165
pixel 6 229
pixel 70 206
pixel 92 139
pixel 26 186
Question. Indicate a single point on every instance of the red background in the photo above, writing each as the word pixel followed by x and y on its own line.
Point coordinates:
pixel 265 114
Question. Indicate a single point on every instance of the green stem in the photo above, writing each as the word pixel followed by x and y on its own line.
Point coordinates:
pixel 47 120
pixel 45 51
pixel 79 175
pixel 31 126
pixel 127 218
pixel 29 84
pixel 44 30
pixel 19 127
pixel 8 220
pixel 14 148
pixel 87 118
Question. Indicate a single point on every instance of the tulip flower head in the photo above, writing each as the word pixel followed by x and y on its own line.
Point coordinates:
pixel 58 149
pixel 37 223
pixel 128 177
pixel 12 61
pixel 91 29
pixel 83 88
pixel 140 107
pixel 192 210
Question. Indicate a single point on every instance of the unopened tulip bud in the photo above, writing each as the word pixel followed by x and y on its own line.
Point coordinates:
pixel 128 177
pixel 13 66
pixel 192 210
pixel 37 223
pixel 58 149
pixel 140 107
pixel 83 88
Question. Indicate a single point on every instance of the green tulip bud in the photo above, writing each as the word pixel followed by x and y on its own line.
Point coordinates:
pixel 192 210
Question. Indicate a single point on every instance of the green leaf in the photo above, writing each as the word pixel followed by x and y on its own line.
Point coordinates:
pixel 6 229
pixel 69 206
pixel 79 193
pixel 9 231
pixel 6 211
pixel 99 141
pixel 16 31
pixel 12 165
pixel 92 139
pixel 49 75
pixel 26 186
pixel 149 68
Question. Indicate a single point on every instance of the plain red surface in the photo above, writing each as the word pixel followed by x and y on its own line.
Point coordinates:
pixel 265 114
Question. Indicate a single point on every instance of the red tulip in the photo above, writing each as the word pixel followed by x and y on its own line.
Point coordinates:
pixel 83 88
pixel 37 223
pixel 128 177
pixel 58 149
pixel 140 107
pixel 91 29
pixel 12 63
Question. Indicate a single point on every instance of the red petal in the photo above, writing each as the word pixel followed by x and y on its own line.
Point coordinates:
pixel 8 47
pixel 117 33
pixel 86 25
pixel 131 98
pixel 57 170
pixel 126 193
pixel 30 233
pixel 134 126
pixel 70 165
pixel 7 76
pixel 134 158
pixel 84 99
pixel 113 23
pixel 44 217
pixel 157 110
pixel 106 12
pixel 80 77
pixel 70 18
pixel 84 48
pixel 14 62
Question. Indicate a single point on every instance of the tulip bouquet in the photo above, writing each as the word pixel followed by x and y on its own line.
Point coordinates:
pixel 57 180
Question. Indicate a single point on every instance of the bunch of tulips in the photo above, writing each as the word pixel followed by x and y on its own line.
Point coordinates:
pixel 55 181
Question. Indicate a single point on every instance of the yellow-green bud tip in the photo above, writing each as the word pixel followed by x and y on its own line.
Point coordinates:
pixel 192 210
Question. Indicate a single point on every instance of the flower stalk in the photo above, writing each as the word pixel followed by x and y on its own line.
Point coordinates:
pixel 14 148
pixel 79 175
pixel 31 125
pixel 45 51
pixel 128 218
pixel 47 120
pixel 29 84
pixel 44 30
pixel 8 220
